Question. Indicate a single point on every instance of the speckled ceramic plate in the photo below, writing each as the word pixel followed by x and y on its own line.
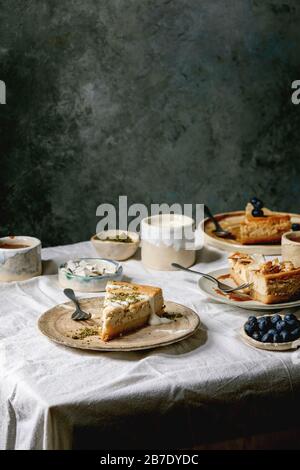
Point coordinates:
pixel 269 346
pixel 57 325
pixel 230 221
pixel 210 289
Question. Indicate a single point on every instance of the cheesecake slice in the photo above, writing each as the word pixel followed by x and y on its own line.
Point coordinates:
pixel 266 229
pixel 271 282
pixel 128 307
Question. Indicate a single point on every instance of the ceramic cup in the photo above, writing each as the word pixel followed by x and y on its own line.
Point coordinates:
pixel 20 258
pixel 167 239
pixel 290 248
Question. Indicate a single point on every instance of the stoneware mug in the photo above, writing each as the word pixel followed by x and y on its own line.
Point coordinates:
pixel 290 248
pixel 167 239
pixel 20 258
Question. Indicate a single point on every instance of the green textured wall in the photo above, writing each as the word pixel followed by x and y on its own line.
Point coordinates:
pixel 165 101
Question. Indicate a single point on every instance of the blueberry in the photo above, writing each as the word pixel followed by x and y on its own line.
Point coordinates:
pixel 280 326
pixel 257 203
pixel 257 335
pixel 276 338
pixel 266 338
pixel 263 324
pixel 292 324
pixel 252 319
pixel 295 334
pixel 295 227
pixel 272 332
pixel 285 336
pixel 290 317
pixel 249 328
pixel 275 318
pixel 257 213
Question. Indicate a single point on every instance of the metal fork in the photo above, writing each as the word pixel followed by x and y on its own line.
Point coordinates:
pixel 78 314
pixel 223 287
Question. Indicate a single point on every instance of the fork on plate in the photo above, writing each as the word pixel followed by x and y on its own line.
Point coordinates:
pixel 223 287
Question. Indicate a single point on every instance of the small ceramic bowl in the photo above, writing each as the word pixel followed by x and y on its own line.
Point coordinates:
pixel 90 283
pixel 20 258
pixel 117 250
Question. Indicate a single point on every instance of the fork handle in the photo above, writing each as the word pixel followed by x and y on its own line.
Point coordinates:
pixel 71 295
pixel 207 276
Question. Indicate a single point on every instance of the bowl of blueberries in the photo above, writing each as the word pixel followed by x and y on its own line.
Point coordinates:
pixel 273 332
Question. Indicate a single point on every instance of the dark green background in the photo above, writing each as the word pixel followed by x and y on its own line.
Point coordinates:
pixel 166 101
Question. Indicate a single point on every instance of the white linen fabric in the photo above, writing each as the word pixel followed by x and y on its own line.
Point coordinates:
pixel 211 386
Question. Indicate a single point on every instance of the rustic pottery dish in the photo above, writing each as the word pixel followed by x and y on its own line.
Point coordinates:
pixel 118 245
pixel 57 325
pixel 230 221
pixel 88 283
pixel 269 346
pixel 237 300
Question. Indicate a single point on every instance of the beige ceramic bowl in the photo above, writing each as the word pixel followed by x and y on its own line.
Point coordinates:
pixel 115 250
pixel 290 248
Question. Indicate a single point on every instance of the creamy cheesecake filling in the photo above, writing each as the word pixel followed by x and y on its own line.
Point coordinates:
pixel 271 281
pixel 263 229
pixel 127 296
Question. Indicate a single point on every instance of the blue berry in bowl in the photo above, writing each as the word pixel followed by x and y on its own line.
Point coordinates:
pixel 257 213
pixel 256 335
pixel 281 325
pixel 295 334
pixel 249 328
pixel 289 317
pixel 275 318
pixel 267 338
pixel 272 332
pixel 263 324
pixel 292 324
pixel 285 336
pixel 295 227
pixel 252 319
pixel 276 338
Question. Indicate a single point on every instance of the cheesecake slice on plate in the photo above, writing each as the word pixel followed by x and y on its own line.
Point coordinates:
pixel 128 307
pixel 272 282
pixel 267 228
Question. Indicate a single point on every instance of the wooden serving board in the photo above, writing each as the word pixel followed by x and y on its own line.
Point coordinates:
pixel 57 325
pixel 230 221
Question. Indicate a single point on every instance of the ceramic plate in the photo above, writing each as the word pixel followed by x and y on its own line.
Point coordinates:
pixel 269 346
pixel 210 289
pixel 231 221
pixel 57 325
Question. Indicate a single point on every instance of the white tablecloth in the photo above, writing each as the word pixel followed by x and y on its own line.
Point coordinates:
pixel 211 386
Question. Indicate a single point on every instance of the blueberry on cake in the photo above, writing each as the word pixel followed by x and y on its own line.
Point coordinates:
pixel 262 225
